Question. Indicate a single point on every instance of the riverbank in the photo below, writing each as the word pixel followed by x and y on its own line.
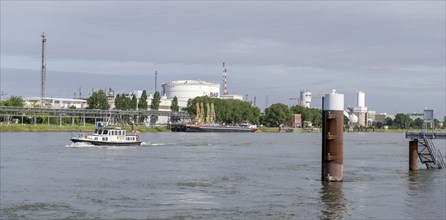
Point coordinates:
pixel 69 128
pixel 91 127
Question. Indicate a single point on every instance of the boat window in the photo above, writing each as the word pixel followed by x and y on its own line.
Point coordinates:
pixel 123 132
pixel 105 131
pixel 96 131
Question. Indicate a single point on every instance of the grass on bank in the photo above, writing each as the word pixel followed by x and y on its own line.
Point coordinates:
pixel 91 127
pixel 68 128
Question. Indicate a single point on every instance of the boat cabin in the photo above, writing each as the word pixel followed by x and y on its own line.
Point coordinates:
pixel 113 134
pixel 110 132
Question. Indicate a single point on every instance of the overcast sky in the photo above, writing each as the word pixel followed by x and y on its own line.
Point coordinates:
pixel 393 51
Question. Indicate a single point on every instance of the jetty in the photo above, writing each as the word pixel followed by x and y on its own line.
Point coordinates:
pixel 421 145
pixel 19 112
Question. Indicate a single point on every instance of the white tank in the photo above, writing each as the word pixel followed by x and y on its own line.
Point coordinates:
pixel 189 89
pixel 305 98
pixel 361 99
pixel 353 119
pixel 334 101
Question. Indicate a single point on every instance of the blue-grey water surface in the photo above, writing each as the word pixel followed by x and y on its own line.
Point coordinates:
pixel 215 176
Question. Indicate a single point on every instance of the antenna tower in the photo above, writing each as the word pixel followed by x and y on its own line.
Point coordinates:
pixel 225 81
pixel 43 73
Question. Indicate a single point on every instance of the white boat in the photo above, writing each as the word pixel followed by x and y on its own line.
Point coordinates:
pixel 108 137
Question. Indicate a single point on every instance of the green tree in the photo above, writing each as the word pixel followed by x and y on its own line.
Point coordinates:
pixel 388 121
pixel 402 120
pixel 123 102
pixel 317 117
pixel 227 111
pixel 134 102
pixel 118 101
pixel 98 100
pixel 308 114
pixel 156 100
pixel 143 101
pixel 16 101
pixel 174 106
pixel 379 124
pixel 436 123
pixel 277 114
pixel 417 123
pixel 142 105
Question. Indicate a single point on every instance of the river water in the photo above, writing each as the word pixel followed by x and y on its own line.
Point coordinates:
pixel 215 176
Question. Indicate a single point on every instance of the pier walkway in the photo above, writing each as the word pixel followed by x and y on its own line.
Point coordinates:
pixel 427 153
pixel 429 135
pixel 7 112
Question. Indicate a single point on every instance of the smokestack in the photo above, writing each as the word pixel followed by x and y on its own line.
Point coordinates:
pixel 156 81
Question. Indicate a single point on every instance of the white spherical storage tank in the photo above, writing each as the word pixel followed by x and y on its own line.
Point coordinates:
pixel 189 89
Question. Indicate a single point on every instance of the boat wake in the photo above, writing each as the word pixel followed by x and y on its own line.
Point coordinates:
pixel 80 144
pixel 88 145
pixel 146 144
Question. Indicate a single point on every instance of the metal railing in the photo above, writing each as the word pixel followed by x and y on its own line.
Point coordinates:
pixel 8 111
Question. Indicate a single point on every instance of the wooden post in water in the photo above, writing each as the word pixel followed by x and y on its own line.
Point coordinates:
pixel 332 137
pixel 413 155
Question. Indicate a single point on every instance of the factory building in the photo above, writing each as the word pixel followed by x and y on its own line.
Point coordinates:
pixel 361 110
pixel 56 103
pixel 189 89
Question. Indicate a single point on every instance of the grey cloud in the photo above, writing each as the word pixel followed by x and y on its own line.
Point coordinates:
pixel 318 44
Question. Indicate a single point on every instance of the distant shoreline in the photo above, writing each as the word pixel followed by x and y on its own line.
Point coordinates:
pixel 91 127
pixel 69 128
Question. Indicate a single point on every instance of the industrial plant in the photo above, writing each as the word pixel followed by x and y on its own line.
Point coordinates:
pixel 185 90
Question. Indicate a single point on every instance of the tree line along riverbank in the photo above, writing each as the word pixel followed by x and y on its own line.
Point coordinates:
pixel 69 128
pixel 92 127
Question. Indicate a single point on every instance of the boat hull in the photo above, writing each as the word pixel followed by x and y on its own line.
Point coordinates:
pixel 201 128
pixel 106 143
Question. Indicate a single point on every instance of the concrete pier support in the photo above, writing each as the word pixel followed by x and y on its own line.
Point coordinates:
pixel 332 137
pixel 413 155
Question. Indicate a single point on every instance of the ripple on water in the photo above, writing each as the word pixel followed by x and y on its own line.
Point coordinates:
pixel 41 210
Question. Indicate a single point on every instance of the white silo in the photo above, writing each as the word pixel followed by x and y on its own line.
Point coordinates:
pixel 305 98
pixel 361 110
pixel 361 99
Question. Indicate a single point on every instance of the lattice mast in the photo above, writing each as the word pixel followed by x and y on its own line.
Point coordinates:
pixel 43 72
pixel 225 80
